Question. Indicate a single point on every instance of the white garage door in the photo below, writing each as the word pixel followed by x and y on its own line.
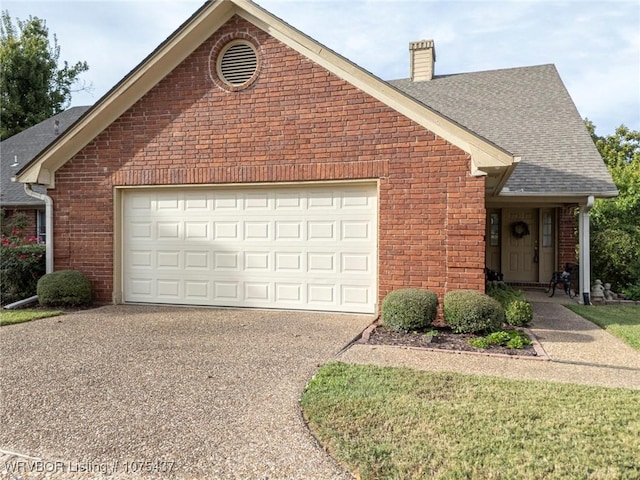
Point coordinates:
pixel 303 247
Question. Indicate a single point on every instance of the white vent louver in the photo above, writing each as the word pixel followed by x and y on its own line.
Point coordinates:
pixel 238 64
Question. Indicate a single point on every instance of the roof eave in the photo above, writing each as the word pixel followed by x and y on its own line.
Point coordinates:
pixel 191 35
pixel 603 194
pixel 558 197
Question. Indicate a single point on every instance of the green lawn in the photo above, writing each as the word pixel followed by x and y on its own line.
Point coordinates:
pixel 10 317
pixel 396 423
pixel 623 321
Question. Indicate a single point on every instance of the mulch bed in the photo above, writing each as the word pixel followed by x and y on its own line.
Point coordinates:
pixel 444 340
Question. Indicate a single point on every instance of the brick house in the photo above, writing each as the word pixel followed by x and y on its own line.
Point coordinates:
pixel 244 164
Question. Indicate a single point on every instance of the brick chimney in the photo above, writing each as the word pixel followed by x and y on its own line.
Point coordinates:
pixel 423 59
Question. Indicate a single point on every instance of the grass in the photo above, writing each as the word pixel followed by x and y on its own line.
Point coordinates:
pixel 396 423
pixel 11 317
pixel 623 321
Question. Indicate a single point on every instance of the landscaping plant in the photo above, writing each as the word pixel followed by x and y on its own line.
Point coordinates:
pixel 510 339
pixel 64 288
pixel 517 309
pixel 469 311
pixel 22 261
pixel 409 310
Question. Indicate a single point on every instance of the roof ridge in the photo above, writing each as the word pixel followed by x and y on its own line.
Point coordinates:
pixel 477 72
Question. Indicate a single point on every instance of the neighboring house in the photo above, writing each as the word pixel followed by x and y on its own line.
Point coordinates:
pixel 16 152
pixel 244 164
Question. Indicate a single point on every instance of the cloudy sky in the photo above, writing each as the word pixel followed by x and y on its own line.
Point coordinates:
pixel 595 44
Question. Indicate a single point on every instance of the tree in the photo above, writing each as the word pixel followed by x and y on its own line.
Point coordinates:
pixel 32 86
pixel 615 222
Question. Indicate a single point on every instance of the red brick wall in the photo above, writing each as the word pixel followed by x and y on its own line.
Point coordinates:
pixel 297 122
pixel 566 235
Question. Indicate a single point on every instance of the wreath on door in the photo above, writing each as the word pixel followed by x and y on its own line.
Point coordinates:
pixel 519 229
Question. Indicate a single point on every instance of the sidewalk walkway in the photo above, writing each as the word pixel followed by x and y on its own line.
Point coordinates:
pixel 580 352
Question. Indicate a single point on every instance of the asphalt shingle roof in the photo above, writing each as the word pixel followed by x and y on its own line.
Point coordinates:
pixel 22 148
pixel 528 112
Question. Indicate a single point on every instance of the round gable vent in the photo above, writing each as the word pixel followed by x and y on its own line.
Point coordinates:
pixel 237 63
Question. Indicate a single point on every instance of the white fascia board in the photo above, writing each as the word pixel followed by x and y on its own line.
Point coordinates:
pixel 577 196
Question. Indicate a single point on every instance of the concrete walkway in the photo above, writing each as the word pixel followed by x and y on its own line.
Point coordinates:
pixel 579 352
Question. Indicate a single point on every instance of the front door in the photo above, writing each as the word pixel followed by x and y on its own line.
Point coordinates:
pixel 520 248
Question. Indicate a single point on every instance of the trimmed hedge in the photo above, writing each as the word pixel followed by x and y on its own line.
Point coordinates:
pixel 409 310
pixel 518 310
pixel 469 311
pixel 64 288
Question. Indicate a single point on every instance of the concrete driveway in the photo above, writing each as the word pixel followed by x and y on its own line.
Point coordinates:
pixel 175 392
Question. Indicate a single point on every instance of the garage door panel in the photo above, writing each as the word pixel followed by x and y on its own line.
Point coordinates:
pixel 256 261
pixel 288 201
pixel 356 201
pixel 226 261
pixel 321 231
pixel 197 260
pixel 303 248
pixel 140 259
pixel 197 291
pixel 168 230
pixel 197 201
pixel 288 230
pixel 141 288
pixel 168 289
pixel 256 230
pixel 322 294
pixel 168 202
pixel 197 230
pixel 321 262
pixel 257 201
pixel 288 261
pixel 168 260
pixel 356 295
pixel 225 201
pixel 256 292
pixel 321 199
pixel 356 263
pixel 355 230
pixel 226 291
pixel 289 293
pixel 140 230
pixel 228 230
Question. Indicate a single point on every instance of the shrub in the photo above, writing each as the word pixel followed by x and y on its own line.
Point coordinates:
pixel 22 263
pixel 64 288
pixel 510 339
pixel 518 340
pixel 469 311
pixel 498 338
pixel 632 292
pixel 518 313
pixel 518 310
pixel 409 310
pixel 480 342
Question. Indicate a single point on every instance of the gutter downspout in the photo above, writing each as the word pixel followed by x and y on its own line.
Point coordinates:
pixel 48 202
pixel 585 250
